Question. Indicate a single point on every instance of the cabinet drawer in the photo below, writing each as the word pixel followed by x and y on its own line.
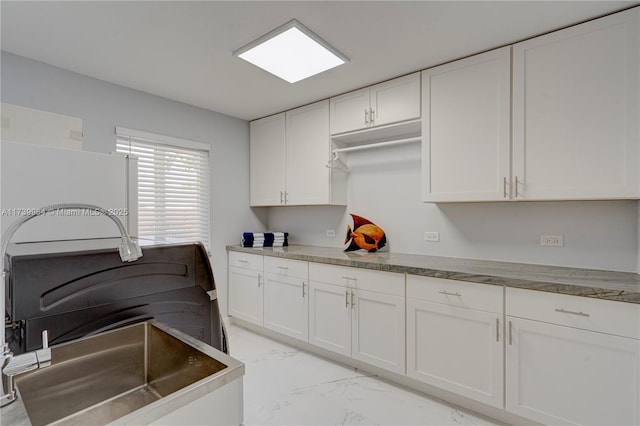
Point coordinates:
pixel 245 260
pixel 366 279
pixel 482 297
pixel 286 267
pixel 605 316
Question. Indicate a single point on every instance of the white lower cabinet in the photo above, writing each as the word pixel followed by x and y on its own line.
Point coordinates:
pixel 378 330
pixel 358 313
pixel 559 373
pixel 546 357
pixel 245 287
pixel 286 297
pixel 330 317
pixel 451 342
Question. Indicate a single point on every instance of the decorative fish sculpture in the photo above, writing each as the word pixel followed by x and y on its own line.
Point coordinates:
pixel 365 235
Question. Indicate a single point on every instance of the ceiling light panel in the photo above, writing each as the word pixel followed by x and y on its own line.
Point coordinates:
pixel 291 52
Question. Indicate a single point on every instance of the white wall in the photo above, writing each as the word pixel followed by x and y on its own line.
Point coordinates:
pixel 384 186
pixel 102 106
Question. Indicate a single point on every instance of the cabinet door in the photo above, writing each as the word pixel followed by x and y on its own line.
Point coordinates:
pixel 576 111
pixel 267 160
pixel 245 295
pixel 350 111
pixel 395 100
pixel 466 129
pixel 457 349
pixel 308 150
pixel 330 317
pixel 285 305
pixel 562 375
pixel 378 330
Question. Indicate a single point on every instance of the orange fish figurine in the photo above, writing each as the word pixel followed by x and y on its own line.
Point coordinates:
pixel 365 235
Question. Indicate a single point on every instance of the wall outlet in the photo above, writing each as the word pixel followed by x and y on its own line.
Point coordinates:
pixel 433 237
pixel 552 240
pixel 331 233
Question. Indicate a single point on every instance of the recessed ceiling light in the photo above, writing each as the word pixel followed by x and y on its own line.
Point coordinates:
pixel 291 52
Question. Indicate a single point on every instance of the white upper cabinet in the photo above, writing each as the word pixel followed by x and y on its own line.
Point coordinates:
pixel 309 180
pixel 267 160
pixel 562 122
pixel 466 129
pixel 386 103
pixel 289 153
pixel 576 115
pixel 350 111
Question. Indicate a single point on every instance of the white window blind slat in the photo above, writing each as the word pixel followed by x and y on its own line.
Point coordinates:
pixel 173 188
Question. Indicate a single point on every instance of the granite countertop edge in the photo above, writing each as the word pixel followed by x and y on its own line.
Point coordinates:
pixel 600 284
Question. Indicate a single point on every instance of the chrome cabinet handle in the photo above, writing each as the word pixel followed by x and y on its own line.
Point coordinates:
pixel 243 261
pixel 450 294
pixel 504 187
pixel 282 267
pixel 564 311
pixel 346 299
pixel 366 117
pixel 497 329
pixel 303 289
pixel 259 280
pixel 372 116
pixel 281 197
pixel 349 278
pixel 353 303
pixel 516 195
pixel 286 197
pixel 510 333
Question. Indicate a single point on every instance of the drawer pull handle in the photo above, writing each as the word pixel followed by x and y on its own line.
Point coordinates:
pixel 243 261
pixel 349 278
pixel 259 280
pixel 346 299
pixel 303 284
pixel 510 333
pixel 446 293
pixel 353 303
pixel 497 329
pixel 564 311
pixel 282 267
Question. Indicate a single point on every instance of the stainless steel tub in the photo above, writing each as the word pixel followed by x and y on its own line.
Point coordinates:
pixel 140 372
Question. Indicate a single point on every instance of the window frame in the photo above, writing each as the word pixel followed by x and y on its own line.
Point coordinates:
pixel 152 138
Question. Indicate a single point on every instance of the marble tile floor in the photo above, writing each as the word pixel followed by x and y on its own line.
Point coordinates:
pixel 286 386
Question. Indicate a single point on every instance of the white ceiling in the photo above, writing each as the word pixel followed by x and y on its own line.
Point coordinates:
pixel 181 50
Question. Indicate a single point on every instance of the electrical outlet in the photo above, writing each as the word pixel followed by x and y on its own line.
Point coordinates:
pixel 331 233
pixel 551 240
pixel 433 237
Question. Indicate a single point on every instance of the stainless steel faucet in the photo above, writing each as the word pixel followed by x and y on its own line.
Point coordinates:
pixel 19 364
pixel 13 365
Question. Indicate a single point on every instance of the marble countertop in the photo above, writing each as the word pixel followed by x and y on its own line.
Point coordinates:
pixel 609 285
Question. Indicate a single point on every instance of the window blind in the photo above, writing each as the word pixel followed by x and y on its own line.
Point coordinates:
pixel 173 189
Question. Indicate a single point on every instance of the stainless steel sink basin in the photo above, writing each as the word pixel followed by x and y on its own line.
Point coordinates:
pixel 98 379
